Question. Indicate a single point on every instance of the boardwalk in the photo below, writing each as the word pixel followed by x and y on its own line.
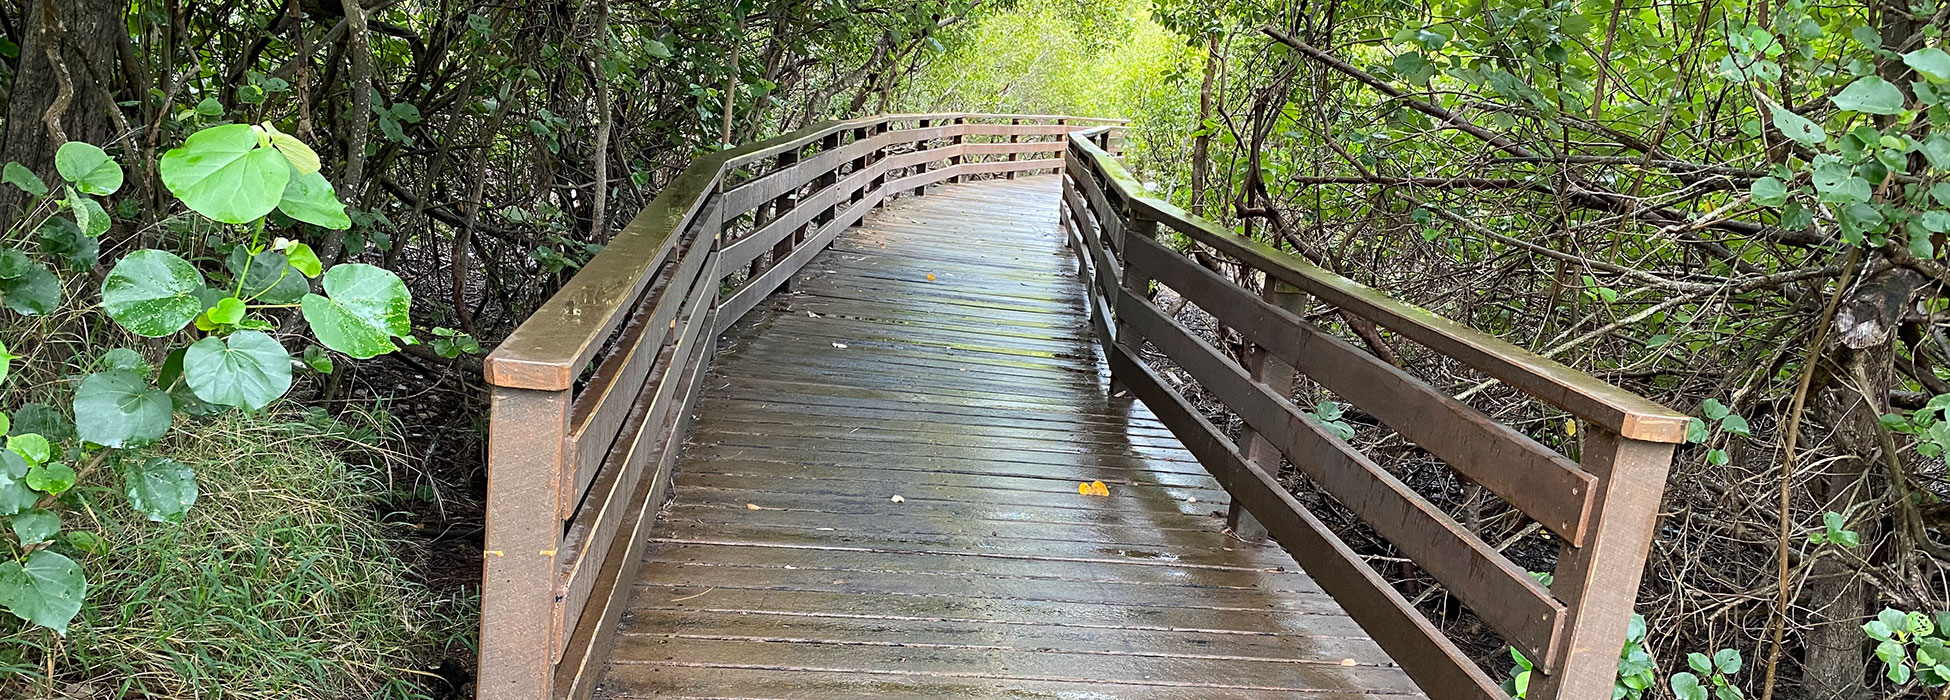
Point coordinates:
pixel 879 500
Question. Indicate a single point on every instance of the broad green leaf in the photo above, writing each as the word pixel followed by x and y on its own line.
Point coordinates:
pixel 124 358
pixel 78 208
pixel 317 359
pixel 46 590
pixel 1932 63
pixel 221 173
pixel 304 259
pixel 1769 192
pixel 117 408
pixel 1699 662
pixel 152 292
pixel 1735 424
pixel 1870 95
pixel 53 477
pixel 171 378
pixel 364 307
pixel 33 292
pixel 86 541
pixel 310 198
pixel 268 277
pixel 88 167
pixel 228 312
pixel 98 221
pixel 656 48
pixel 1936 149
pixel 15 496
pixel 14 263
pixel 35 525
pixel 1685 686
pixel 43 419
pixel 302 158
pixel 250 370
pixel 19 176
pixel 162 488
pixel 1727 661
pixel 1797 127
pixel 30 446
pixel 6 365
pixel 63 238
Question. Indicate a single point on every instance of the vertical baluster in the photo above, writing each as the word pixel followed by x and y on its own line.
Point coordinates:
pixel 1277 375
pixel 782 208
pixel 1014 138
pixel 956 141
pixel 827 180
pixel 1599 582
pixel 1137 284
pixel 921 167
pixel 860 163
pixel 879 163
pixel 527 458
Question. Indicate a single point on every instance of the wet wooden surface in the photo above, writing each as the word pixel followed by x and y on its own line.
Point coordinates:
pixel 940 354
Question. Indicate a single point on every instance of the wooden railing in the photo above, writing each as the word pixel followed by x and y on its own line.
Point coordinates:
pixel 1602 507
pixel 591 394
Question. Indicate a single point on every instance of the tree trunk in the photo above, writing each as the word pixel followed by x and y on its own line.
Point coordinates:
pixel 59 100
pixel 1860 366
pixel 1202 143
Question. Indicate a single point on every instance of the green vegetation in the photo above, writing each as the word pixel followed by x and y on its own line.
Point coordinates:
pixel 280 582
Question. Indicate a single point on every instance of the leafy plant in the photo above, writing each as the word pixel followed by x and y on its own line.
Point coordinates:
pixel 1912 645
pixel 1708 672
pixel 220 327
pixel 1697 431
pixel 1329 414
pixel 1636 668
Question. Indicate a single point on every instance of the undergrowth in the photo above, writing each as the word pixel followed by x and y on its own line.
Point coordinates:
pixel 283 582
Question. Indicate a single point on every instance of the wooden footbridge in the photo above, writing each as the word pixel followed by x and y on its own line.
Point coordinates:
pixel 788 436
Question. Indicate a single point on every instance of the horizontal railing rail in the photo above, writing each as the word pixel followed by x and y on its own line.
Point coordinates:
pixel 591 394
pixel 1602 507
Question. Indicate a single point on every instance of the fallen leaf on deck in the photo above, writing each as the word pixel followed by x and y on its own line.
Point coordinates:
pixel 1348 662
pixel 897 499
pixel 841 346
pixel 754 506
pixel 930 278
pixel 1094 488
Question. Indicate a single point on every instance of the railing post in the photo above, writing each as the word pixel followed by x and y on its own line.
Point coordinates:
pixel 1135 282
pixel 860 163
pixel 1014 138
pixel 828 179
pixel 527 453
pixel 921 167
pixel 1277 375
pixel 956 141
pixel 781 208
pixel 1599 582
pixel 879 162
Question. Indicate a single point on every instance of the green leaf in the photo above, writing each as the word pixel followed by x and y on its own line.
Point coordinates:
pixel 250 370
pixel 61 237
pixel 19 176
pixel 6 365
pixel 1735 424
pixel 117 408
pixel 162 488
pixel 227 312
pixel 15 495
pixel 1870 95
pixel 1727 660
pixel 310 198
pixel 1685 686
pixel 86 541
pixel 124 358
pixel 53 477
pixel 31 447
pixel 656 48
pixel 1797 127
pixel 1936 150
pixel 268 277
pixel 303 259
pixel 1699 662
pixel 152 292
pixel 36 526
pixel 43 419
pixel 46 590
pixel 98 221
pixel 209 107
pixel 1769 192
pixel 302 158
pixel 1714 410
pixel 221 173
pixel 33 293
pixel 88 167
pixel 364 307
pixel 1932 63
pixel 317 359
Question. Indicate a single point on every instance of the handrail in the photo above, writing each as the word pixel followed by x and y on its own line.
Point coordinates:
pixel 1602 507
pixel 591 395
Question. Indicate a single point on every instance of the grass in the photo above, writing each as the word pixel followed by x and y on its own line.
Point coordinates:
pixel 282 582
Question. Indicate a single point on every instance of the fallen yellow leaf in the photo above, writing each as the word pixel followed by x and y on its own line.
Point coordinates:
pixel 930 278
pixel 753 506
pixel 1094 488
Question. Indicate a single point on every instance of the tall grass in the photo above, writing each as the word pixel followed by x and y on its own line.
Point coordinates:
pixel 281 583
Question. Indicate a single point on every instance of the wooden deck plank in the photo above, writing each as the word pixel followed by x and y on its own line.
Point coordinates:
pixel 940 352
